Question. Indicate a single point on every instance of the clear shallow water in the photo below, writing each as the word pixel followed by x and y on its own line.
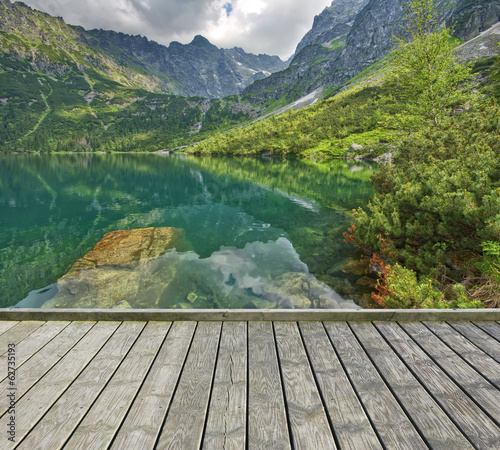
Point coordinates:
pixel 291 214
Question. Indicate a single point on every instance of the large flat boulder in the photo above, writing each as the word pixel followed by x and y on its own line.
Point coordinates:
pixel 119 272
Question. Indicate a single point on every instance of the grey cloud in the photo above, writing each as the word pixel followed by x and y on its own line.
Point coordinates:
pixel 275 29
pixel 176 17
pixel 279 28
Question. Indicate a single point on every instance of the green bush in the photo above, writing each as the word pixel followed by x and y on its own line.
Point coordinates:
pixel 486 287
pixel 440 200
pixel 401 288
pixel 442 195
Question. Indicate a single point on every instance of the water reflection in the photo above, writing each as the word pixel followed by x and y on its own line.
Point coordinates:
pixel 260 275
pixel 53 210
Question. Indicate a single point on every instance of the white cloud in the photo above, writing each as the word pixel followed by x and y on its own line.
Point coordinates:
pixel 258 26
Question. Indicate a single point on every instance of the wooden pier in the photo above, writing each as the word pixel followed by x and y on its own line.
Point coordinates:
pixel 250 379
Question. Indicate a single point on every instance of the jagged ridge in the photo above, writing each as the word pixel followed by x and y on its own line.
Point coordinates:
pixel 51 46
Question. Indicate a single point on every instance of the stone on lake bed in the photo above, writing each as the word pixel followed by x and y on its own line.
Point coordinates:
pixel 357 267
pixel 367 281
pixel 259 304
pixel 301 291
pixel 119 266
pixel 119 248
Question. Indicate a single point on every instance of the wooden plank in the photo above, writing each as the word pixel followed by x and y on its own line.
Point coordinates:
pixel 103 419
pixel 308 421
pixel 38 400
pixel 36 340
pixel 417 315
pixel 15 334
pixel 142 425
pixel 185 421
pixel 437 428
pixel 61 420
pixel 350 423
pixel 226 424
pixel 6 325
pixel 248 314
pixel 483 363
pixel 391 422
pixel 492 328
pixel 480 429
pixel 479 338
pixel 487 395
pixel 36 366
pixel 267 422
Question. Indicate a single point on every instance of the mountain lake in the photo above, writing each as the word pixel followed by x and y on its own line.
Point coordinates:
pixel 249 232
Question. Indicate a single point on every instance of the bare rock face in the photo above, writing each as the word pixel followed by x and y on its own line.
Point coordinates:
pixel 334 21
pixel 355 148
pixel 483 46
pixel 119 272
pixel 195 69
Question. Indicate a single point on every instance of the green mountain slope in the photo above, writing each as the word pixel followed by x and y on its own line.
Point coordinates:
pixel 63 88
pixel 59 91
pixel 94 113
pixel 195 69
pixel 356 115
pixel 48 45
pixel 323 130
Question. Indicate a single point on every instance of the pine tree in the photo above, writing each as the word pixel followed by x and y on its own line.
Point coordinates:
pixel 425 66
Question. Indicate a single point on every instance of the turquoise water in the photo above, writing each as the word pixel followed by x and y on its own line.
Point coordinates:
pixel 291 214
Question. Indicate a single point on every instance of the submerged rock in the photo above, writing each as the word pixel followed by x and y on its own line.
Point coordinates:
pixel 259 304
pixel 147 268
pixel 119 248
pixel 120 270
pixel 357 267
pixel 301 291
pixel 367 281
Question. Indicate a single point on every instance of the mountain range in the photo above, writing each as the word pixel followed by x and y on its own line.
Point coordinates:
pixel 64 87
pixel 196 69
pixel 352 35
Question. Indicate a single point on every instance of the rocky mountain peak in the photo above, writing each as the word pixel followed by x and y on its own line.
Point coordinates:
pixel 201 41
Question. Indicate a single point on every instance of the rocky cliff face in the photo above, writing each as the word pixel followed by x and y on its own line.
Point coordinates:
pixel 471 17
pixel 373 31
pixel 333 22
pixel 370 37
pixel 195 69
pixel 324 43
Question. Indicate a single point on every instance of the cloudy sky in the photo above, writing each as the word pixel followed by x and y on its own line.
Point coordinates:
pixel 258 26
